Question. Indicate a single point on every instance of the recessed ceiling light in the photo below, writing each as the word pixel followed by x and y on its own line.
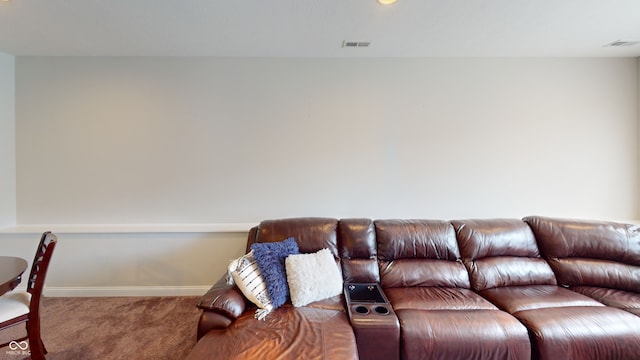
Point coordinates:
pixel 386 2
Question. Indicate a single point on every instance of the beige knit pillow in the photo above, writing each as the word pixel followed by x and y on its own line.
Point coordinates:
pixel 244 272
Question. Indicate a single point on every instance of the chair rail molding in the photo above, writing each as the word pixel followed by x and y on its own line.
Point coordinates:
pixel 128 228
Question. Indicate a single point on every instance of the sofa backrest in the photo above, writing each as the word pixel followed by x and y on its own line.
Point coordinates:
pixel 501 252
pixel 358 250
pixel 480 254
pixel 590 253
pixel 419 253
pixel 311 234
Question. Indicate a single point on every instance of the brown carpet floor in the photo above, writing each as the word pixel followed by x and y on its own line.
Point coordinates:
pixel 158 328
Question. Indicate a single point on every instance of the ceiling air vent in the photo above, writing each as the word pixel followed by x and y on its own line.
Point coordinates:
pixel 355 44
pixel 622 43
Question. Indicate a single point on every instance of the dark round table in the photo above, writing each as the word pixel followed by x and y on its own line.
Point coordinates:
pixel 11 270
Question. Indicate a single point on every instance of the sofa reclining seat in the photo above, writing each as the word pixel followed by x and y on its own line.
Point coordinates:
pixel 604 264
pixel 506 268
pixel 428 286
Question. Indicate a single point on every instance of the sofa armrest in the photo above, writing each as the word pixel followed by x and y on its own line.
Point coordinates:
pixel 221 305
pixel 223 298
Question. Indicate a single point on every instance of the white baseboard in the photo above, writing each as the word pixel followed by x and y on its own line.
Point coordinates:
pixel 106 291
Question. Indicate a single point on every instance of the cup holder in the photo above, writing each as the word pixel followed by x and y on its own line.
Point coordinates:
pixel 382 310
pixel 364 310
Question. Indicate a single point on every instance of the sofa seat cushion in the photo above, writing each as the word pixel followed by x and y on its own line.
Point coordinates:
pixel 517 298
pixel 336 303
pixel 436 298
pixel 582 332
pixel 462 334
pixel 621 299
pixel 287 333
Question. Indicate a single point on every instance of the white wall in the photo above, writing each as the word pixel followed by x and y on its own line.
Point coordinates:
pixel 7 141
pixel 192 140
pixel 131 264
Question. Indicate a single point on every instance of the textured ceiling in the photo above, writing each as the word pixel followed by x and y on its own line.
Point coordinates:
pixel 317 28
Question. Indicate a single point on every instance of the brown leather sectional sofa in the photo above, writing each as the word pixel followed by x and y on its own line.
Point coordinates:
pixel 536 288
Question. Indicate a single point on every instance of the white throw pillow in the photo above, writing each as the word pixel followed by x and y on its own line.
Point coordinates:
pixel 312 277
pixel 245 273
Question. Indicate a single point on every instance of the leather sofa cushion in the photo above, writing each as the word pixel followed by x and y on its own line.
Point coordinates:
pixel 423 272
pixel 483 238
pixel 501 252
pixel 311 234
pixel 455 323
pixel 585 333
pixel 416 239
pixel 608 257
pixel 462 334
pixel 358 251
pixel 518 298
pixel 624 300
pixel 357 238
pixel 419 253
pixel 566 238
pixel 436 298
pixel 288 333
pixel 336 303
pixel 596 272
pixel 492 272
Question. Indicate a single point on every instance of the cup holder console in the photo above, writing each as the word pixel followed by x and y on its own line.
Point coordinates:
pixel 372 319
pixel 366 309
pixel 382 310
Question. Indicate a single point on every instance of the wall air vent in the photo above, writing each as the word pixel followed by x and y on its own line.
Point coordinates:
pixel 356 44
pixel 618 43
